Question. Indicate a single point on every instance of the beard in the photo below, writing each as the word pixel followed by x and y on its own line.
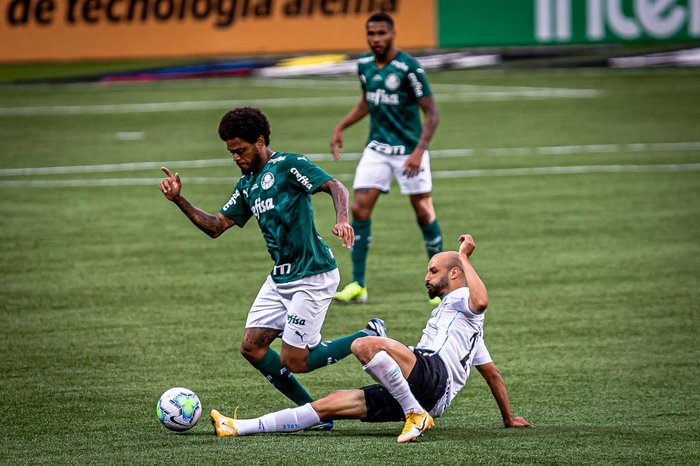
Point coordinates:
pixel 247 169
pixel 438 288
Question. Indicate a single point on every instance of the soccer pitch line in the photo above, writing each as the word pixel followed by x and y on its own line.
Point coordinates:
pixel 486 93
pixel 350 156
pixel 493 172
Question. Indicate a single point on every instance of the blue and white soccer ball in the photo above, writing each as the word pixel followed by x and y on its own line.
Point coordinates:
pixel 179 409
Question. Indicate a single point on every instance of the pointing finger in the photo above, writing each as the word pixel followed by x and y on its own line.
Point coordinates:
pixel 167 172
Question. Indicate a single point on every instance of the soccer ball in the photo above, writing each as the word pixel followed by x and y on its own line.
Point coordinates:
pixel 179 409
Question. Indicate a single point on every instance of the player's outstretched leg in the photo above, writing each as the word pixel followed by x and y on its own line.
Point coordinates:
pixel 330 352
pixel 286 420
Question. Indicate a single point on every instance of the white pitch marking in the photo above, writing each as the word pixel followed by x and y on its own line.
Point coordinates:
pixel 532 171
pixel 129 135
pixel 445 153
pixel 476 95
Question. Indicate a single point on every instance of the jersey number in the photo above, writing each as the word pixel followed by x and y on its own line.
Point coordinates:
pixel 465 360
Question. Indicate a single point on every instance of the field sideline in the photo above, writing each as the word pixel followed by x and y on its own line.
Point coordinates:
pixel 581 188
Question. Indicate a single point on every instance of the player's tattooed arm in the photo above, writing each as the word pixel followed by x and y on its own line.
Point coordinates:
pixel 212 225
pixel 341 202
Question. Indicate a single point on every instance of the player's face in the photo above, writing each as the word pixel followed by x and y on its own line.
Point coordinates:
pixel 245 154
pixel 436 280
pixel 380 38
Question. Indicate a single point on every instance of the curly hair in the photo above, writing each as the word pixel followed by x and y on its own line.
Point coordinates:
pixel 381 17
pixel 246 123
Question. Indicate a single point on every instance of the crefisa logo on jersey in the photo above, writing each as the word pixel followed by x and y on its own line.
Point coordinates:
pixel 267 180
pixel 392 82
pixel 262 206
pixel 302 179
pixel 232 200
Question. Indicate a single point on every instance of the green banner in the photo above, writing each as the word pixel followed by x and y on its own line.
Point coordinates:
pixel 468 23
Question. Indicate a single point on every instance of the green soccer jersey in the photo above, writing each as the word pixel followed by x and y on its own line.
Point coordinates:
pixel 280 199
pixel 392 94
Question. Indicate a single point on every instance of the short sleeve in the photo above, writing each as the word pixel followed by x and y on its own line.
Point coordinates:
pixel 418 80
pixel 481 353
pixel 363 80
pixel 236 208
pixel 304 174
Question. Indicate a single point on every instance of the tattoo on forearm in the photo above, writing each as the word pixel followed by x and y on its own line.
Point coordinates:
pixel 209 224
pixel 340 201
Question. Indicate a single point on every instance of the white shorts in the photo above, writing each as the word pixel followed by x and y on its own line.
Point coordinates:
pixel 375 170
pixel 297 309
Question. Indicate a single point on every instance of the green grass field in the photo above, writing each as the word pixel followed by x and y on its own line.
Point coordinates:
pixel 581 188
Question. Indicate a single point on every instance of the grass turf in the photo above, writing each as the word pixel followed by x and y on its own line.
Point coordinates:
pixel 110 296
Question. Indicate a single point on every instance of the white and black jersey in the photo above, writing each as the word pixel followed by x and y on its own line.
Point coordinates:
pixel 455 333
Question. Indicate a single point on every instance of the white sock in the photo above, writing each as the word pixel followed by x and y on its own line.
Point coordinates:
pixel 387 372
pixel 287 420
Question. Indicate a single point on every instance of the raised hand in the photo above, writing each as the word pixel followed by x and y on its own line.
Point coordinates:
pixel 171 186
pixel 467 245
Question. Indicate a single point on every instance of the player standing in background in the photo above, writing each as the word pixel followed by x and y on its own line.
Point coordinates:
pixel 394 87
pixel 414 384
pixel 276 188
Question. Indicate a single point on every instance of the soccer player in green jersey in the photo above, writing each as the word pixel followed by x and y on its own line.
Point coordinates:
pixel 276 189
pixel 394 88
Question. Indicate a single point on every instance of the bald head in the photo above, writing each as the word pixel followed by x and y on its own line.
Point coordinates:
pixel 445 273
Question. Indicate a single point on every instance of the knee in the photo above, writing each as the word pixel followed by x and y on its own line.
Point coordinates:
pixel 425 212
pixel 296 365
pixel 252 353
pixel 363 349
pixel 424 217
pixel 360 212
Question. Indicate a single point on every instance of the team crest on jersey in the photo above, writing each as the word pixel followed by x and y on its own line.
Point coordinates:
pixel 392 82
pixel 267 180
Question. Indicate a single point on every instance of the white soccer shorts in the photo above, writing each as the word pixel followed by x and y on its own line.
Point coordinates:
pixel 297 308
pixel 375 170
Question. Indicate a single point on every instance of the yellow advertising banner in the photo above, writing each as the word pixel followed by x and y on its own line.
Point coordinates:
pixel 39 30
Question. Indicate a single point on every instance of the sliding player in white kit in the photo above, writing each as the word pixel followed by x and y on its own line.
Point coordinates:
pixel 415 385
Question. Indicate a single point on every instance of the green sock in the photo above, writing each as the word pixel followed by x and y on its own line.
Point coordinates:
pixel 432 237
pixel 330 352
pixel 283 380
pixel 358 253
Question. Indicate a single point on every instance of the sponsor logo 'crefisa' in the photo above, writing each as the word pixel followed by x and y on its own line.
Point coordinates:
pixel 295 319
pixel 261 206
pixel 380 96
pixel 302 179
pixel 234 198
